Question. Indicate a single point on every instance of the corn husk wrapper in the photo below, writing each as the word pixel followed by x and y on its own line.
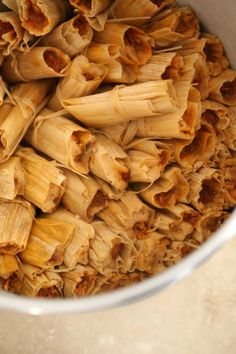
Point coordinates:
pixel 173 26
pixel 47 243
pixel 194 153
pixel 16 219
pixel 15 119
pixel 40 17
pixel 82 78
pixel 79 282
pixel 171 188
pixel 122 134
pixel 178 223
pixel 121 73
pixel 45 189
pixel 230 133
pixel 12 179
pixel 178 250
pixel 138 10
pixel 128 215
pixel 206 190
pixel 221 153
pixel 134 44
pixel 11 276
pixel 207 224
pixel 61 139
pixel 123 104
pixel 83 196
pixel 38 63
pixel 77 249
pixel 150 251
pixel 182 123
pixel 71 37
pixel 107 189
pixel 102 53
pixel 202 78
pixel 47 284
pixel 91 8
pixel 110 252
pixel 11 32
pixel 3 89
pixel 162 66
pixel 228 166
pixel 223 88
pixel 117 280
pixel 11 4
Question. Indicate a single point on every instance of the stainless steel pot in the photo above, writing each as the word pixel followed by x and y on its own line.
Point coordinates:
pixel 219 18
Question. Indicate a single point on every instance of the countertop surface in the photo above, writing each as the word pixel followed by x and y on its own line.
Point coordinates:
pixel 197 315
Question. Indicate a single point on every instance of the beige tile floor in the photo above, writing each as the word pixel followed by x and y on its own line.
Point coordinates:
pixel 196 316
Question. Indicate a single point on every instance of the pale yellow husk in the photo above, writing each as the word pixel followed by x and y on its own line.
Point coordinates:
pixel 37 63
pixel 12 32
pixel 223 87
pixel 11 4
pixel 83 196
pixel 91 8
pixel 47 243
pixel 201 78
pixel 102 53
pixel 61 139
pixel 206 190
pixel 12 178
pixel 11 276
pixel 16 219
pixel 124 103
pixel 82 78
pixel 228 166
pixel 121 73
pixel 45 189
pixel 128 214
pixel 78 247
pixel 122 134
pixel 178 250
pixel 109 162
pixel 71 36
pixel 39 17
pixel 107 189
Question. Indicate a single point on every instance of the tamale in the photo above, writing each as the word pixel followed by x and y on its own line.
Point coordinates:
pixel 11 4
pixel 44 182
pixel 71 36
pixel 102 53
pixel 121 73
pixel 110 252
pixel 122 134
pixel 79 282
pixel 201 78
pixel 142 10
pixel 12 178
pixel 11 32
pixel 61 139
pixel 128 214
pixel 173 26
pixel 109 162
pixel 134 44
pixel 170 188
pixel 47 243
pixel 11 277
pixel 124 103
pixel 3 89
pixel 223 88
pixel 38 63
pixel 39 17
pixel 82 78
pixel 16 219
pixel 228 166
pixel 78 247
pixel 16 119
pixel 91 8
pixel 206 190
pixel 229 134
pixel 107 189
pixel 83 196
pixel 117 280
pixel 47 284
pixel 208 223
pixel 178 250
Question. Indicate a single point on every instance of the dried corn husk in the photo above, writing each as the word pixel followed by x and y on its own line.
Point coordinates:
pixel 78 248
pixel 230 133
pixel 83 196
pixel 47 284
pixel 162 66
pixel 109 162
pixel 42 189
pixel 116 280
pixel 38 63
pixel 150 251
pixel 15 119
pixel 12 179
pixel 202 77
pixel 12 33
pixel 134 44
pixel 47 243
pixel 61 139
pixel 102 53
pixel 107 189
pixel 91 8
pixel 110 252
pixel 16 219
pixel 228 166
pixel 39 17
pixel 138 10
pixel 221 153
pixel 128 214
pixel 82 78
pixel 194 153
pixel 122 134
pixel 178 250
pixel 79 282
pixel 123 104
pixel 71 36
pixel 206 190
pixel 208 223
pixel 171 188
pixel 11 276
pixel 11 4
pixel 223 88
pixel 3 89
pixel 121 73
pixel 173 26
